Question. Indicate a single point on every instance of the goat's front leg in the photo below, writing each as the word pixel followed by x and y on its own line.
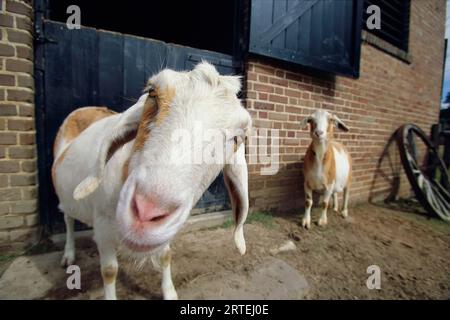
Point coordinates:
pixel 335 202
pixel 326 201
pixel 69 248
pixel 344 212
pixel 306 221
pixel 168 290
pixel 107 248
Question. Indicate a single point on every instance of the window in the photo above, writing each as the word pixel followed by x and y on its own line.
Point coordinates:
pixel 394 21
pixel 319 34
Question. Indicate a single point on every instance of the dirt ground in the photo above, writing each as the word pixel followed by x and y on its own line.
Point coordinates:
pixel 411 249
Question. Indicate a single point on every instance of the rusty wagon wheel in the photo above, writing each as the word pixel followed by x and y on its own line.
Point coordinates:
pixel 423 174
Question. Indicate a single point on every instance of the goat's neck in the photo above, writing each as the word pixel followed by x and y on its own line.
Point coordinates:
pixel 320 148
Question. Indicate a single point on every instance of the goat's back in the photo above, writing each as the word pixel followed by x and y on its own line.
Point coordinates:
pixel 76 150
pixel 75 123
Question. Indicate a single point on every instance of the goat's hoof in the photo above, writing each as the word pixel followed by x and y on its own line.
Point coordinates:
pixel 306 223
pixel 68 259
pixel 110 296
pixel 344 213
pixel 171 295
pixel 323 222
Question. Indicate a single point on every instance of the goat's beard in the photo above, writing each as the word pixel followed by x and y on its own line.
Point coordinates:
pixel 139 260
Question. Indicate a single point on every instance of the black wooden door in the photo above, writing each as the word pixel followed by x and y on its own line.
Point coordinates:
pixel 88 67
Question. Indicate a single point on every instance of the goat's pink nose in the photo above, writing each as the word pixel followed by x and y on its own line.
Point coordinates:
pixel 147 210
pixel 318 133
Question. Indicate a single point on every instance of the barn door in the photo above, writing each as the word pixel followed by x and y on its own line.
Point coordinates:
pixel 88 67
pixel 319 34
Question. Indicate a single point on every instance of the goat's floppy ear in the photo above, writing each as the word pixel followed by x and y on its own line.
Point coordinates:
pixel 236 180
pixel 305 122
pixel 341 125
pixel 126 124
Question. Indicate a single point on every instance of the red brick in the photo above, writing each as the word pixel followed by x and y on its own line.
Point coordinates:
pixel 263 105
pixel 263 87
pixel 296 110
pixel 26 110
pixel 20 124
pixel 29 166
pixel 22 180
pixel 263 79
pixel 6 20
pixel 279 82
pixel 6 50
pixel 7 80
pixel 23 23
pixel 252 76
pixel 14 65
pixel 8 166
pixel 278 99
pixel 278 116
pixel 20 37
pixel 279 91
pixel 293 93
pixel 21 152
pixel 264 70
pixel 20 95
pixel 18 7
pixel 8 138
pixel 293 76
pixel 25 81
pixel 24 52
pixel 263 96
pixel 280 73
pixel 27 138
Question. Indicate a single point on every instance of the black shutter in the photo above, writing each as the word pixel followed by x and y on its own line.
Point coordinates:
pixel 320 34
pixel 394 21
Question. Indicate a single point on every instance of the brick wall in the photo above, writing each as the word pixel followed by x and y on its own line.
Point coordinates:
pixel 18 190
pixel 388 93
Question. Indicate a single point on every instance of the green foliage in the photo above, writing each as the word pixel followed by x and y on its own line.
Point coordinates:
pixel 4 258
pixel 264 218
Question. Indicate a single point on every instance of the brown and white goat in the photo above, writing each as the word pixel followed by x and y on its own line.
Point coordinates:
pixel 131 176
pixel 327 167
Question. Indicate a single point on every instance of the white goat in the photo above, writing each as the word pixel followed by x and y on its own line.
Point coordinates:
pixel 327 166
pixel 116 171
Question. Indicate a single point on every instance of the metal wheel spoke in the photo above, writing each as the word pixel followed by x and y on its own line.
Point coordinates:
pixel 441 189
pixel 430 192
pixel 442 200
pixel 432 197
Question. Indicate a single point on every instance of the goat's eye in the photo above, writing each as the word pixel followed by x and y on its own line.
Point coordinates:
pixel 238 140
pixel 233 140
pixel 151 90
